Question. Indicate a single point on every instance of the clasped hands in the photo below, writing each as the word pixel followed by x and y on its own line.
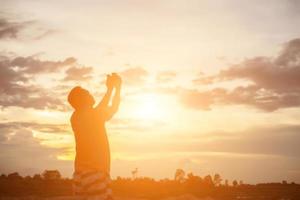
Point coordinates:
pixel 113 80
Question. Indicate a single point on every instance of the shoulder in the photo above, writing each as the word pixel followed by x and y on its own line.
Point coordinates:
pixel 76 115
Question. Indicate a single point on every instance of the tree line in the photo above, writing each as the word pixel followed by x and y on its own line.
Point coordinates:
pixel 51 183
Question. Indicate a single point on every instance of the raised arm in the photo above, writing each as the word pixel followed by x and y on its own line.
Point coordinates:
pixel 111 110
pixel 106 98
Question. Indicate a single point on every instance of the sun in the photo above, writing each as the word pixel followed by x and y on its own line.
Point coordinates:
pixel 150 107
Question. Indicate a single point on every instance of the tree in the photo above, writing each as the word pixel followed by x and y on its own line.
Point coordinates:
pixel 3 176
pixel 14 176
pixel 27 178
pixel 234 183
pixel 226 183
pixel 134 173
pixel 51 175
pixel 217 179
pixel 179 175
pixel 207 180
pixel 37 177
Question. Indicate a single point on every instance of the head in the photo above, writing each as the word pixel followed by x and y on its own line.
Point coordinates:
pixel 80 98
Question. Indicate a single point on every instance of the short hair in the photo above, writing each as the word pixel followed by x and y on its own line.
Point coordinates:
pixel 78 97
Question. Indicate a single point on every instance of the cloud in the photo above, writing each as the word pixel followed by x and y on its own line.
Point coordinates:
pixel 276 140
pixel 31 65
pixel 134 75
pixel 274 82
pixel 196 99
pixel 45 34
pixel 202 79
pixel 11 29
pixel 42 127
pixel 239 153
pixel 17 86
pixel 270 141
pixel 19 149
pixel 165 76
pixel 41 102
pixel 293 7
pixel 78 74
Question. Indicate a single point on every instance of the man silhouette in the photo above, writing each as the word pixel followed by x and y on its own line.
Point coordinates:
pixel 92 161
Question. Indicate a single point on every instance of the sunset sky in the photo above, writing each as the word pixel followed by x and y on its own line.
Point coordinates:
pixel 208 86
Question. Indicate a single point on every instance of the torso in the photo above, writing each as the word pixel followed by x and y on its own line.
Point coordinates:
pixel 92 148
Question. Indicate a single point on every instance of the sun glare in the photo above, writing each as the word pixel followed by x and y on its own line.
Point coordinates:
pixel 150 106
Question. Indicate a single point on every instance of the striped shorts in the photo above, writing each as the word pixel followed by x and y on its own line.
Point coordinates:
pixel 92 185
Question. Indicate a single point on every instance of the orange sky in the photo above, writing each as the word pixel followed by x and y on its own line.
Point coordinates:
pixel 209 86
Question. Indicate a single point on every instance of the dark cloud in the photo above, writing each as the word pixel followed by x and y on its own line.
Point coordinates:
pixel 31 65
pixel 274 82
pixel 25 100
pixel 165 76
pixel 11 29
pixel 293 7
pixel 17 87
pixel 78 74
pixel 19 149
pixel 134 75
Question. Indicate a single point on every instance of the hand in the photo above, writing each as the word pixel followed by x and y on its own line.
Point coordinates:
pixel 117 81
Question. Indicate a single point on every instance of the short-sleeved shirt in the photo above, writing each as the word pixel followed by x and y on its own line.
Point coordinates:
pixel 92 147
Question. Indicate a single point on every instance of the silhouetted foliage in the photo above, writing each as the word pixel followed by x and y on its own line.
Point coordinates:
pixel 217 179
pixel 51 175
pixel 234 183
pixel 50 183
pixel 179 175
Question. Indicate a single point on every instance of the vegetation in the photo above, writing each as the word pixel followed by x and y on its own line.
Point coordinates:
pixel 50 183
